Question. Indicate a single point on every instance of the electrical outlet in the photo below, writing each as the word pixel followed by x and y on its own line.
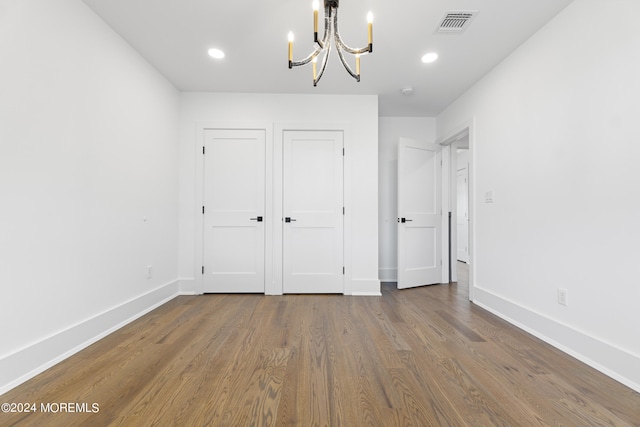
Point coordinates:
pixel 149 272
pixel 563 296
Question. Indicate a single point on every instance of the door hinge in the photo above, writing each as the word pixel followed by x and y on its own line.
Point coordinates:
pixel 342 270
pixel 203 149
pixel 343 210
pixel 343 151
pixel 203 209
pixel 203 269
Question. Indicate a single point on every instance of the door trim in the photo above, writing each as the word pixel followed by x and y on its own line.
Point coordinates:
pixel 331 215
pixel 449 169
pixel 201 128
pixel 276 207
pixel 465 175
pixel 241 223
pixel 274 133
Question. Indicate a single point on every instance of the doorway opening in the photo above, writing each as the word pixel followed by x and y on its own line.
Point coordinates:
pixel 458 199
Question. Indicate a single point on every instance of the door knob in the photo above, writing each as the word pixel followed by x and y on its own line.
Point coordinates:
pixel 403 220
pixel 259 219
pixel 289 219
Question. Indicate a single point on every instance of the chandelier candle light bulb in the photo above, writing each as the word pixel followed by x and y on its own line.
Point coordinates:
pixel 370 28
pixel 331 36
pixel 314 62
pixel 290 37
pixel 316 7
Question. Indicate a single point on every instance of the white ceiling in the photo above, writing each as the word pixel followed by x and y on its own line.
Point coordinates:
pixel 174 36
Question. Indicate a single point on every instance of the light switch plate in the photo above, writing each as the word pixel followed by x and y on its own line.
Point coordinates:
pixel 488 196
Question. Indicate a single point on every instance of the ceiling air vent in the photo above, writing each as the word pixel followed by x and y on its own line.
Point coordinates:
pixel 456 21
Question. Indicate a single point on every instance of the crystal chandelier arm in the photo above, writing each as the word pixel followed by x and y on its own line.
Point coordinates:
pixel 341 44
pixel 320 43
pixel 344 62
pixel 324 63
pixel 308 58
pixel 350 50
pixel 327 22
pixel 324 46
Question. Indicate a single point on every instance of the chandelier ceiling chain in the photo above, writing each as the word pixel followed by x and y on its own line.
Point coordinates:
pixel 331 32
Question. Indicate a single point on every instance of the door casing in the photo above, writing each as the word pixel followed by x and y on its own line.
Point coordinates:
pixel 234 211
pixel 449 171
pixel 201 130
pixel 273 194
pixel 313 245
pixel 462 211
pixel 278 213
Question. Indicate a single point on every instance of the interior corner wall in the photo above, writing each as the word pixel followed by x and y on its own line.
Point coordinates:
pixel 89 184
pixel 359 113
pixel 556 128
pixel 390 130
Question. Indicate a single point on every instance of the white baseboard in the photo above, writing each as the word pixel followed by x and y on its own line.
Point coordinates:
pixel 366 294
pixel 617 363
pixel 388 274
pixel 28 362
pixel 364 287
pixel 187 286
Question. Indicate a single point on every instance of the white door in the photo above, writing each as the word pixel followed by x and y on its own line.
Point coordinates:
pixel 313 212
pixel 462 208
pixel 234 210
pixel 419 214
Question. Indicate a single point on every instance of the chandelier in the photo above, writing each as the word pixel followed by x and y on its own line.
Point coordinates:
pixel 324 45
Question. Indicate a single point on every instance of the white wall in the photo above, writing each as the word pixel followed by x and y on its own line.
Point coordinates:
pixel 556 139
pixel 88 148
pixel 390 130
pixel 359 113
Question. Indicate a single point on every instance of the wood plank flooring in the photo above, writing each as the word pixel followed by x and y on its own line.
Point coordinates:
pixel 416 357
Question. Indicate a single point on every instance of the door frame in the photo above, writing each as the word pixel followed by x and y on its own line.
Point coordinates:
pixel 313 281
pixel 277 208
pixel 274 133
pixel 201 128
pixel 449 189
pixel 457 201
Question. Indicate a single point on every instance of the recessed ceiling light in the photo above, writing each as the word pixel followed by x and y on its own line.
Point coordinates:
pixel 216 53
pixel 429 57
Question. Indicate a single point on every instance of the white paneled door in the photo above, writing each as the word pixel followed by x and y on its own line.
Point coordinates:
pixel 313 212
pixel 462 209
pixel 234 211
pixel 419 214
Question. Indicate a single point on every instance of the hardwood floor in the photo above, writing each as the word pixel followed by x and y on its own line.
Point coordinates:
pixel 419 357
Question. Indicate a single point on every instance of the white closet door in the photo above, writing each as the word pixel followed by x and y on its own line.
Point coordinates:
pixel 419 214
pixel 313 260
pixel 462 220
pixel 234 211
